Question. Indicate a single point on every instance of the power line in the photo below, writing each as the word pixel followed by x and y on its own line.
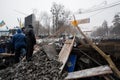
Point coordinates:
pixel 21 12
pixel 96 13
pixel 105 7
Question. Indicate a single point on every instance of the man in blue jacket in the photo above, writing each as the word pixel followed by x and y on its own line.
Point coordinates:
pixel 19 43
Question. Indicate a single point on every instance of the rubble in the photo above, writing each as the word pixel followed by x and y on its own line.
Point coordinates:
pixel 40 68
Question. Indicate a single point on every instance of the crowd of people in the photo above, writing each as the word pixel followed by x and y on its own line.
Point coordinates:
pixel 23 43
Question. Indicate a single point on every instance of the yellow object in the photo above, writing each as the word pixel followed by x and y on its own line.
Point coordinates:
pixel 20 23
pixel 74 23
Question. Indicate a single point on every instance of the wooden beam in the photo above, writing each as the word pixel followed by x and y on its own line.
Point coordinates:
pixel 6 54
pixel 50 51
pixel 101 70
pixel 65 52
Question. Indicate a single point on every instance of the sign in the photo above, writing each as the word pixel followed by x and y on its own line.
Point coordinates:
pixel 83 21
pixel 74 23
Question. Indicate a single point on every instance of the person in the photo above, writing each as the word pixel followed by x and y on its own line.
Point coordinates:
pixel 23 30
pixel 9 46
pixel 19 43
pixel 31 41
pixel 23 51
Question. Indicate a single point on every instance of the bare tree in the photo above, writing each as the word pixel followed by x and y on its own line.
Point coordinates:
pixel 111 32
pixel 44 19
pixel 105 27
pixel 102 31
pixel 60 17
pixel 57 11
pixel 36 28
pixel 116 25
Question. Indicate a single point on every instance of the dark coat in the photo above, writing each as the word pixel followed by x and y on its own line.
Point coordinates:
pixel 30 37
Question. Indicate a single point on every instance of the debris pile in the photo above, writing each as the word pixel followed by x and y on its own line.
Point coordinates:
pixel 40 68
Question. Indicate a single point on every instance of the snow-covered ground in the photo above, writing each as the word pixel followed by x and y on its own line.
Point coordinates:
pixel 49 40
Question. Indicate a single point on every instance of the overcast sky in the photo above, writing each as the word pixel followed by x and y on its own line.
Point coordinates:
pixel 9 8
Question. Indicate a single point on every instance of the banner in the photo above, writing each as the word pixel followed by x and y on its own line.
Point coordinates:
pixel 84 21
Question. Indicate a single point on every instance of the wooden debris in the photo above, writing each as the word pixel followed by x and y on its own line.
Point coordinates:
pixel 101 70
pixel 65 52
pixel 50 51
pixel 6 54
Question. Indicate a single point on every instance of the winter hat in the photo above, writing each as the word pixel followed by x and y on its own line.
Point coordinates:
pixel 19 31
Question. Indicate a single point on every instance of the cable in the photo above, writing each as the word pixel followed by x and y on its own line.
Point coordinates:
pixel 96 13
pixel 21 12
pixel 112 5
pixel 103 9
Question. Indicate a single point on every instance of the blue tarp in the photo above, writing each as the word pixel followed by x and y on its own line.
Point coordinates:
pixel 71 63
pixel 2 50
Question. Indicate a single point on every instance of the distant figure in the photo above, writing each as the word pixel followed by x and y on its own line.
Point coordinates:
pixel 19 43
pixel 31 41
pixel 23 30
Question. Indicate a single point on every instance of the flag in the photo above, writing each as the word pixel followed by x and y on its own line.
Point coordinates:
pixel 20 23
pixel 2 23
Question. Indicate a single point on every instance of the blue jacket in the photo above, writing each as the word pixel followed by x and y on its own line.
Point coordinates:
pixel 19 40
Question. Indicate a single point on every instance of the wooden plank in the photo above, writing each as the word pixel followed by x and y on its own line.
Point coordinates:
pixel 50 51
pixel 101 70
pixel 65 52
pixel 6 54
pixel 68 42
pixel 83 21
